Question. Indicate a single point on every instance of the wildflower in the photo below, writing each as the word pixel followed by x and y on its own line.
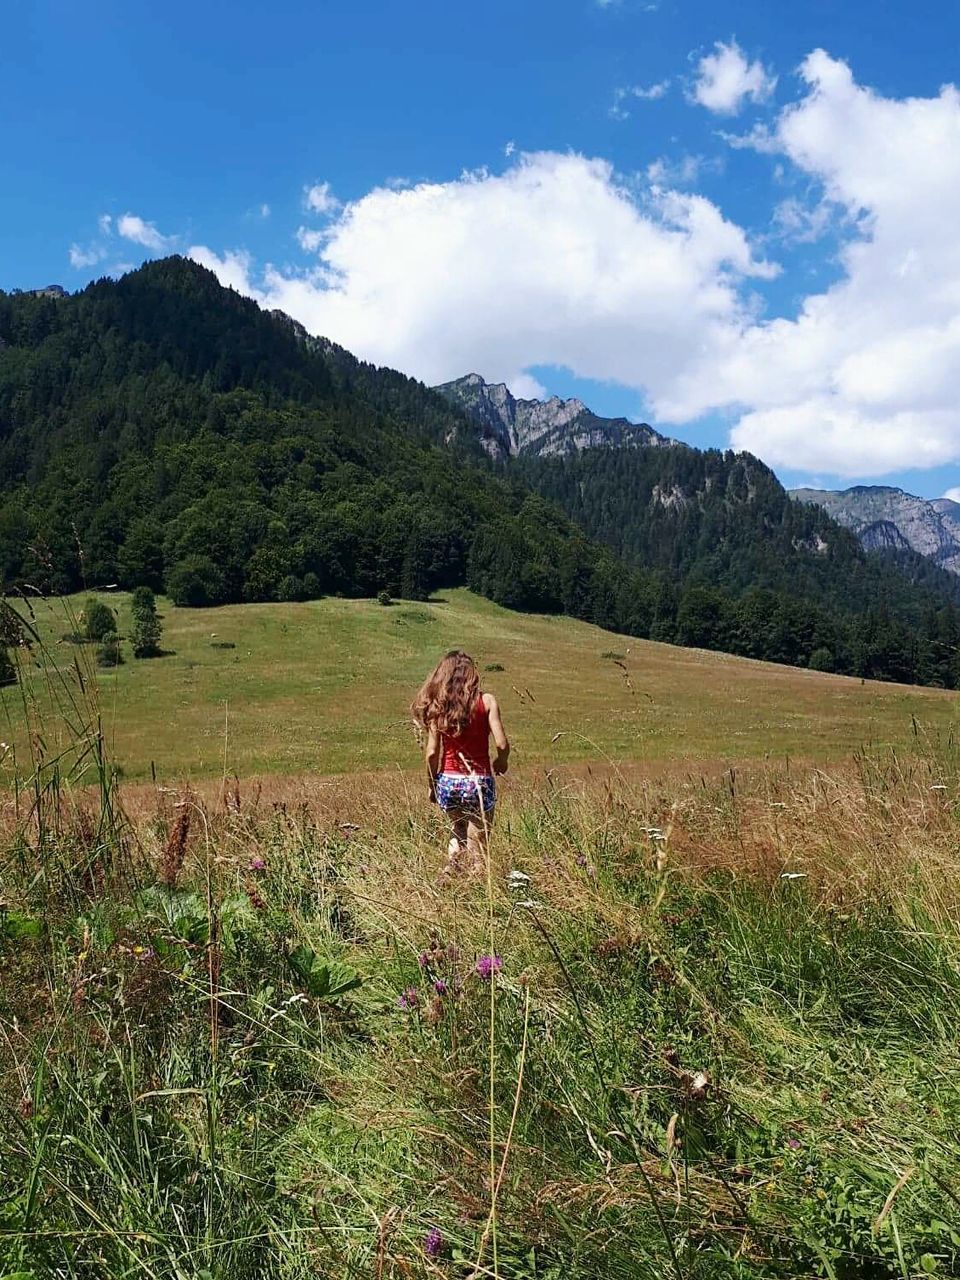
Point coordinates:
pixel 433 1243
pixel 486 966
pixel 409 999
pixel 257 864
pixel 453 952
pixel 143 953
pixel 171 863
pixel 793 1144
pixel 424 959
pixel 433 1012
pixel 440 987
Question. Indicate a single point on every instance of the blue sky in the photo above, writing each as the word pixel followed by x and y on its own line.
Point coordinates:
pixel 651 188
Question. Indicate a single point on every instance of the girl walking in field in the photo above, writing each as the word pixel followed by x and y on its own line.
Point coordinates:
pixel 458 719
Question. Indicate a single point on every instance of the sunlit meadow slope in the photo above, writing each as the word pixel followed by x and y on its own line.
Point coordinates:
pixel 323 687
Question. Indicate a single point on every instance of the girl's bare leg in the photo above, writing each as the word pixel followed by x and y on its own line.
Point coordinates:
pixel 478 829
pixel 459 840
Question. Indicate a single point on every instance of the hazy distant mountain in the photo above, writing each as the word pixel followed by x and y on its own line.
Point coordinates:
pixel 886 518
pixel 510 427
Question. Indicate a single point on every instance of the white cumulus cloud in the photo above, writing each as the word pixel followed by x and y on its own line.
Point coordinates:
pixel 320 199
pixel 625 94
pixel 310 239
pixel 88 257
pixel 555 261
pixel 134 228
pixel 559 261
pixel 866 378
pixel 725 79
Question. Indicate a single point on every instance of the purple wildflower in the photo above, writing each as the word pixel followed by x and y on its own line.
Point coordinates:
pixel 409 999
pixel 486 966
pixel 793 1144
pixel 257 864
pixel 433 1243
pixel 440 987
pixel 424 959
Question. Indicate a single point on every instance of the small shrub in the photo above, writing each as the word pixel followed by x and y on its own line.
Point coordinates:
pixel 222 644
pixel 8 672
pixel 108 651
pixel 98 621
pixel 383 597
pixel 494 666
pixel 613 655
pixel 821 660
pixel 413 615
pixel 12 633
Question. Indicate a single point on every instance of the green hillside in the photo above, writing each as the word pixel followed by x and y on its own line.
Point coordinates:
pixel 161 430
pixel 324 687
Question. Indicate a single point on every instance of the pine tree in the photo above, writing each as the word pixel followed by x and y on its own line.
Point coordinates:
pixel 146 629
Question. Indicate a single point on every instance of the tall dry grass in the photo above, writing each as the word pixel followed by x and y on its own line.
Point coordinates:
pixel 696 1025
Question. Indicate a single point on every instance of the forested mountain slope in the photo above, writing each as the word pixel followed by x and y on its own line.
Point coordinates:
pixel 160 429
pixel 748 568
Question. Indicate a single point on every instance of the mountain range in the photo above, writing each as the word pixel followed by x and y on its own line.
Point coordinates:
pixel 886 518
pixel 510 427
pixel 162 430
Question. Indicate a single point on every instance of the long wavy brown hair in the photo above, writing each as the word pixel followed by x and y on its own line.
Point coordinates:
pixel 448 696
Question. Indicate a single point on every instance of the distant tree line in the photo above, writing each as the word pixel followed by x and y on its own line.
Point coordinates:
pixel 163 433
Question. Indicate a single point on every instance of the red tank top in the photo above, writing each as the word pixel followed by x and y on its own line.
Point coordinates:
pixel 469 752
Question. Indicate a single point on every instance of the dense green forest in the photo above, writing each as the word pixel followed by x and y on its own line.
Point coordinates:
pixel 754 571
pixel 162 431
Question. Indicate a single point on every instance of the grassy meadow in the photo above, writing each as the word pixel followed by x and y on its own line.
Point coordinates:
pixel 689 1023
pixel 323 687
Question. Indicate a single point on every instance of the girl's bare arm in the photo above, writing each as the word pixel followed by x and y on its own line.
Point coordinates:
pixel 433 760
pixel 499 733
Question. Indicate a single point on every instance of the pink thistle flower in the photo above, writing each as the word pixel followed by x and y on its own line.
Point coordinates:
pixel 257 864
pixel 433 1243
pixel 440 987
pixel 409 999
pixel 486 966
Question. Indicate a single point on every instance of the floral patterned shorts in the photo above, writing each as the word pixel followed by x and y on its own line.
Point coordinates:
pixel 463 791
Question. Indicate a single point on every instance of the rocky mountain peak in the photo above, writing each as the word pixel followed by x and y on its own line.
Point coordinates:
pixel 885 517
pixel 509 426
